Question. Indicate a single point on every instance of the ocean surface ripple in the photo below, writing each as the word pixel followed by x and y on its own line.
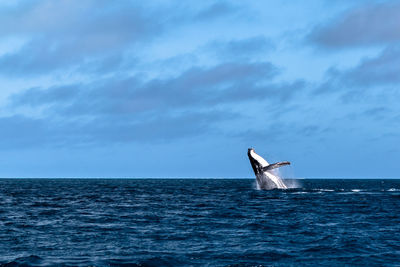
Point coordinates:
pixel 198 222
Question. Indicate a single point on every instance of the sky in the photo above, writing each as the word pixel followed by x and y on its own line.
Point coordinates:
pixel 182 88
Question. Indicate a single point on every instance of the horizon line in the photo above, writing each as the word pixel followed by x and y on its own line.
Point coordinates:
pixel 203 178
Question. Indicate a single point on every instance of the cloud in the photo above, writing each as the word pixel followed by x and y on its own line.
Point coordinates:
pixel 370 24
pixel 370 76
pixel 194 88
pixel 240 49
pixel 128 104
pixel 158 128
pixel 24 132
pixel 35 97
pixel 381 70
pixel 216 10
pixel 95 25
pixel 377 113
pixel 276 132
pixel 87 35
pixel 64 33
pixel 131 109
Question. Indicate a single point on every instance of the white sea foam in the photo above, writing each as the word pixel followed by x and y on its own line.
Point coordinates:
pixel 393 190
pixel 326 190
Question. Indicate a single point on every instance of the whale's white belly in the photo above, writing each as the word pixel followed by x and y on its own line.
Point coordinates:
pixel 268 180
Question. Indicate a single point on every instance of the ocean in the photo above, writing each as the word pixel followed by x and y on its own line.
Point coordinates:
pixel 198 222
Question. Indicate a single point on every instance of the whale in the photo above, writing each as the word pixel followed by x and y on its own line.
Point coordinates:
pixel 265 176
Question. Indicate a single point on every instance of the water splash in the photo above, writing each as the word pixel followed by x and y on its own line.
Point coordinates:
pixel 270 180
pixel 279 182
pixel 292 183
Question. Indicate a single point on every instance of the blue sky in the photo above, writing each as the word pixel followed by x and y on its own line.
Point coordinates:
pixel 183 88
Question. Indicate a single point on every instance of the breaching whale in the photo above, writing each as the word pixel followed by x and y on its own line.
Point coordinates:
pixel 265 177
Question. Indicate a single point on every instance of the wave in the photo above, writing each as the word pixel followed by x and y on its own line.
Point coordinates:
pixel 31 260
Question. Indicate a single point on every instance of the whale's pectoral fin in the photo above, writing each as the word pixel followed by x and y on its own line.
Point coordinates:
pixel 275 165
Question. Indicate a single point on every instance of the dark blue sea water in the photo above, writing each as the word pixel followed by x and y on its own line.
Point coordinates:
pixel 206 222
